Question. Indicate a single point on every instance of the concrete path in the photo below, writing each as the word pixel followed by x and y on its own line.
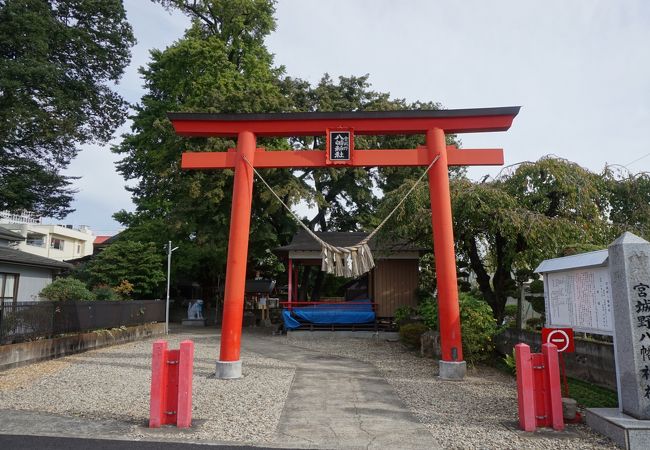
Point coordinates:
pixel 339 402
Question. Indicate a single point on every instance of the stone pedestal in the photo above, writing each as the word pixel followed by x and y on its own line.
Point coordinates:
pixel 430 344
pixel 569 408
pixel 195 322
pixel 452 370
pixel 626 431
pixel 227 370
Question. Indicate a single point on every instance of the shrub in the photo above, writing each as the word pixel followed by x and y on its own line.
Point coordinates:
pixel 63 289
pixel 410 334
pixel 404 313
pixel 124 289
pixel 428 310
pixel 104 292
pixel 478 328
pixel 478 325
pixel 510 315
pixel 511 362
pixel 535 323
pixel 510 310
pixel 536 297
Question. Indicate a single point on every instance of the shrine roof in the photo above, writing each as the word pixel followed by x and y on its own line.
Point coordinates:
pixel 399 114
pixel 303 242
pixel 363 122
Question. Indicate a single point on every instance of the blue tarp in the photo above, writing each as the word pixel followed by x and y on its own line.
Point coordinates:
pixel 337 314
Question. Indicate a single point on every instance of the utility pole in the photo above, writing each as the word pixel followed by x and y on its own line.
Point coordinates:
pixel 169 267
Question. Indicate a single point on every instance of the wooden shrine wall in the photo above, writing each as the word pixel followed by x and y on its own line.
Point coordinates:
pixel 394 284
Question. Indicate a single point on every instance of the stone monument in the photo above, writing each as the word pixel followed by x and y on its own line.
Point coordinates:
pixel 629 267
pixel 195 314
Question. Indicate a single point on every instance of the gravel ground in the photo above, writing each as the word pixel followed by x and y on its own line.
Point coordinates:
pixel 480 412
pixel 114 383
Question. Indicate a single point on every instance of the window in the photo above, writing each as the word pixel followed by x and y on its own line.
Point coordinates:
pixel 78 248
pixel 56 243
pixel 8 287
pixel 35 240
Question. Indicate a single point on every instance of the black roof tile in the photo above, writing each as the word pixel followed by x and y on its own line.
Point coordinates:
pixel 12 256
pixel 304 242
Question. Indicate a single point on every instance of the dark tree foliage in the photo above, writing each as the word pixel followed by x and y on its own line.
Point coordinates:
pixel 504 227
pixel 628 196
pixel 221 65
pixel 58 61
pixel 140 263
pixel 210 69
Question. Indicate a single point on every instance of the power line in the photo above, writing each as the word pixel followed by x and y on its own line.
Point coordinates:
pixel 638 159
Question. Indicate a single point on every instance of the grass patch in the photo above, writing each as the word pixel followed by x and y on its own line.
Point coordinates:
pixel 587 394
pixel 591 396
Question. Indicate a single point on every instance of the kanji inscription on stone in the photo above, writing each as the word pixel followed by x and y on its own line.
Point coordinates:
pixel 629 265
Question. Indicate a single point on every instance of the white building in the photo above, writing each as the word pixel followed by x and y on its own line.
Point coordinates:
pixel 23 275
pixel 58 242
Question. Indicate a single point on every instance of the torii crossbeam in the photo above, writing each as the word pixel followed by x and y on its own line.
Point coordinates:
pixel 340 129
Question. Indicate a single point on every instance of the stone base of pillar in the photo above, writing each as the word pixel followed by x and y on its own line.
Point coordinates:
pixel 626 431
pixel 227 370
pixel 452 370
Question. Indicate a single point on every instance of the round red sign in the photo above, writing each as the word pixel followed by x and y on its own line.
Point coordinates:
pixel 560 339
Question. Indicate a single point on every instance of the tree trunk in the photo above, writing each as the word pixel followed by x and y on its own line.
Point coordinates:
pixel 519 306
pixel 482 276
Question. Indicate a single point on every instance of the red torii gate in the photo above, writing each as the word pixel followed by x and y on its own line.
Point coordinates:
pixel 342 126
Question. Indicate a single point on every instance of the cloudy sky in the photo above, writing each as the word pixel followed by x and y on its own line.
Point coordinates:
pixel 579 69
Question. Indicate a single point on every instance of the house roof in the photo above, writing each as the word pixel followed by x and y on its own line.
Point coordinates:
pixel 9 255
pixel 10 235
pixel 101 239
pixel 303 242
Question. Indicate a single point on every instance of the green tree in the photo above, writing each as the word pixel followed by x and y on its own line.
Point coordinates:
pixel 505 227
pixel 628 198
pixel 219 65
pixel 346 198
pixel 138 262
pixel 58 61
pixel 66 289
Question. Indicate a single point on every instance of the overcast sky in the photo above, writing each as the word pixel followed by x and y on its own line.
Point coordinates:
pixel 579 69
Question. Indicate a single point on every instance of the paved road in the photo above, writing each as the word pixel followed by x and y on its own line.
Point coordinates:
pixel 339 402
pixel 17 442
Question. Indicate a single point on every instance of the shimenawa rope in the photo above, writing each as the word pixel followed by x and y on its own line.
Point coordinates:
pixel 352 261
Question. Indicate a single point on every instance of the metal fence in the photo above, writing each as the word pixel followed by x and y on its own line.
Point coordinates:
pixel 31 320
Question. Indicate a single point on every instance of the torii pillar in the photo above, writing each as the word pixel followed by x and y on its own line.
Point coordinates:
pixel 340 129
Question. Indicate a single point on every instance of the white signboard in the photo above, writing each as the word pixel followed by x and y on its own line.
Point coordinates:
pixel 580 299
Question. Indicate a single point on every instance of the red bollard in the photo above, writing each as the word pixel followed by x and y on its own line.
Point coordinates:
pixel 525 391
pixel 184 410
pixel 538 388
pixel 553 387
pixel 158 384
pixel 171 385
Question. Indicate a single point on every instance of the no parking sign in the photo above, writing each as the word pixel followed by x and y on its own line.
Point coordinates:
pixel 562 338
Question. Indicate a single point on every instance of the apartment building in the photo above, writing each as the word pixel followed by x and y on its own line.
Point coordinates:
pixel 58 242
